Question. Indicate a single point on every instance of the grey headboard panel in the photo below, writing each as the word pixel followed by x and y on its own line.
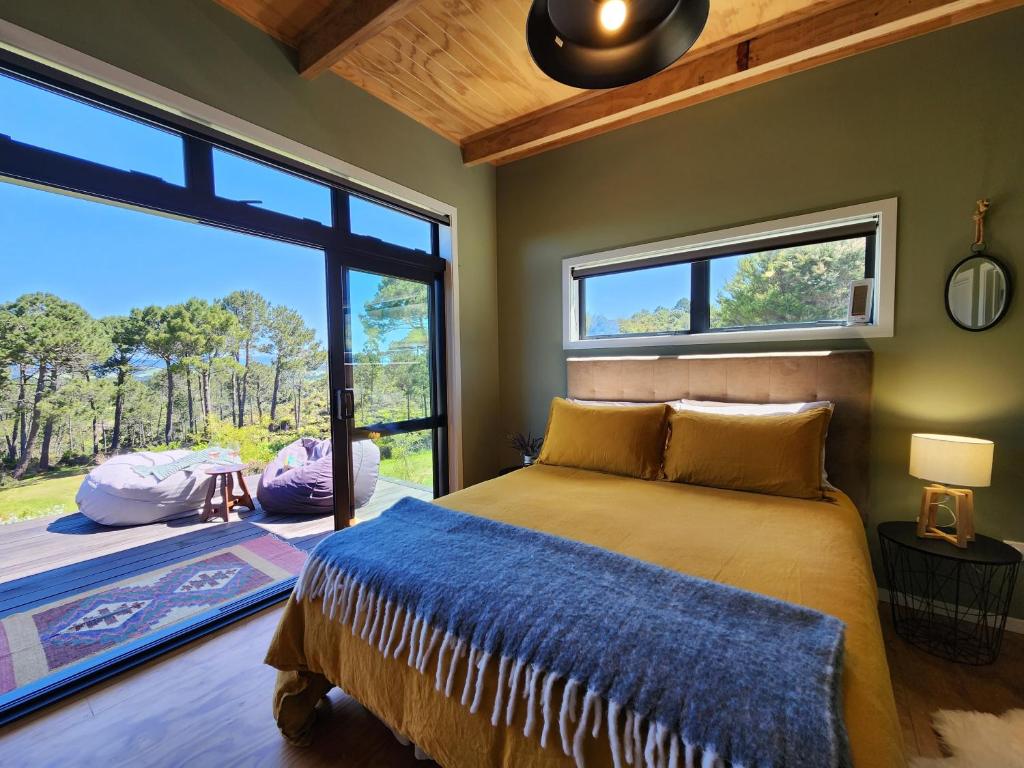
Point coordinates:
pixel 842 377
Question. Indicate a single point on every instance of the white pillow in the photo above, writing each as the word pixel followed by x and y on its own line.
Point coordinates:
pixel 759 409
pixel 748 409
pixel 627 403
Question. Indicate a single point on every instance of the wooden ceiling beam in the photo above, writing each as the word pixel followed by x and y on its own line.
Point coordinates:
pixel 858 26
pixel 342 27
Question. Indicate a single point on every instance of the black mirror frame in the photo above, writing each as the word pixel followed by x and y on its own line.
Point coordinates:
pixel 1006 303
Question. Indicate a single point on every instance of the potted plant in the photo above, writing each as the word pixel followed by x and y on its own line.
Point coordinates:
pixel 527 445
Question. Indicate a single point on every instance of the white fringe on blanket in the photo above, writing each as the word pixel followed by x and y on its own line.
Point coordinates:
pixel 634 740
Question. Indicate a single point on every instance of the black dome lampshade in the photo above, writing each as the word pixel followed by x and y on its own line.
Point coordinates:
pixel 608 43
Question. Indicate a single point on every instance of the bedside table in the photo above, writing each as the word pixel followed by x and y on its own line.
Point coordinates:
pixel 950 602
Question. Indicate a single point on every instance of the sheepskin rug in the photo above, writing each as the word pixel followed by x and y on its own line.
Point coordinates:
pixel 978 740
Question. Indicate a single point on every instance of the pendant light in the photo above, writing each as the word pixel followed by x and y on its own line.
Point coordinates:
pixel 608 43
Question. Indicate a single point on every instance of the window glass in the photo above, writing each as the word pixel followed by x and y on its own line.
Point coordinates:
pixel 641 302
pixel 407 461
pixel 239 178
pixel 176 337
pixel 49 120
pixel 390 344
pixel 389 225
pixel 799 284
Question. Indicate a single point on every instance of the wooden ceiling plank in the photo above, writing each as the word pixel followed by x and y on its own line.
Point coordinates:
pixel 400 58
pixel 264 17
pixel 379 85
pixel 495 31
pixel 466 21
pixel 514 15
pixel 843 31
pixel 480 59
pixel 501 31
pixel 419 96
pixel 343 27
pixel 437 62
pixel 510 26
pixel 390 57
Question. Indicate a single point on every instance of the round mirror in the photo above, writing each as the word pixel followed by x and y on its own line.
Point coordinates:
pixel 977 292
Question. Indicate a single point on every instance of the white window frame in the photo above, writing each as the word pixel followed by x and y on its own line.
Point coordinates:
pixel 881 325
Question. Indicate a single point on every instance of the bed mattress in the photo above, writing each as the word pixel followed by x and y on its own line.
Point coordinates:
pixel 813 553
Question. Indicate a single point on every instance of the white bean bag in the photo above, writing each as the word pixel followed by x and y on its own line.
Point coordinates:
pixel 114 494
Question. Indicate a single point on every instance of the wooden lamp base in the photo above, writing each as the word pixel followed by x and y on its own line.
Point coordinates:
pixel 963 514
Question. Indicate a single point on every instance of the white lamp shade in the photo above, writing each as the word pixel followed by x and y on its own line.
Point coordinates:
pixel 952 460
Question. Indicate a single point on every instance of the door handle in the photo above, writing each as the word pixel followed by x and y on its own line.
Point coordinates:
pixel 344 404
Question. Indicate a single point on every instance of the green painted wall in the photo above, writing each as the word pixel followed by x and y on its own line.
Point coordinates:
pixel 937 121
pixel 201 50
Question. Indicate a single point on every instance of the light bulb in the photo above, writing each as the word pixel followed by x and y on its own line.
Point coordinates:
pixel 613 14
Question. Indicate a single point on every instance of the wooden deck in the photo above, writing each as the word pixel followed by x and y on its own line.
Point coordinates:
pixel 48 558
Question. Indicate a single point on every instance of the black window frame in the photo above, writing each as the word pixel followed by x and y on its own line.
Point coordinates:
pixel 700 260
pixel 196 201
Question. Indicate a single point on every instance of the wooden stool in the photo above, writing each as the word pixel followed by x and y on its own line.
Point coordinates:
pixel 230 479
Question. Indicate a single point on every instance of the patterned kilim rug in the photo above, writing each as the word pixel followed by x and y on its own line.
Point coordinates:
pixel 57 636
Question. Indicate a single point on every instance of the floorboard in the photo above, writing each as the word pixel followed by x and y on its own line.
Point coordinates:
pixel 208 704
pixel 924 684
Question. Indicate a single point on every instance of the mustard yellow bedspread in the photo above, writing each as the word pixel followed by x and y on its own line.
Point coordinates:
pixel 812 553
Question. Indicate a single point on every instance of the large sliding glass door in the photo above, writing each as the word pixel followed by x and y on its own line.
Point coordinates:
pixel 387 359
pixel 266 312
pixel 396 398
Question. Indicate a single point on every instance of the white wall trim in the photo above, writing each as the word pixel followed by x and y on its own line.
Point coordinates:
pixel 53 54
pixel 1013 624
pixel 885 279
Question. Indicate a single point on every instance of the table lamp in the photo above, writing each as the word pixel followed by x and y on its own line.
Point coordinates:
pixel 957 461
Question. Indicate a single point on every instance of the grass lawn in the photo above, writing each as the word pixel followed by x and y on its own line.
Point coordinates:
pixel 50 494
pixel 54 492
pixel 415 468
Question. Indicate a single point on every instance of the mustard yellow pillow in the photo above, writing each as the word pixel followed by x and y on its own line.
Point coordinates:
pixel 620 440
pixel 779 455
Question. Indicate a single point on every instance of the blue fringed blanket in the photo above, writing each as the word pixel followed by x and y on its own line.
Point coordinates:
pixel 680 671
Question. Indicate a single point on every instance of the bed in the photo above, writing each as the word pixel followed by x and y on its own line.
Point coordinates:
pixel 811 553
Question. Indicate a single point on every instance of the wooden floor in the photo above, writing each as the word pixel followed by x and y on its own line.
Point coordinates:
pixel 205 706
pixel 923 684
pixel 209 705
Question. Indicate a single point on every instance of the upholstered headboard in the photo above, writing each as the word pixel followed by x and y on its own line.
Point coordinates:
pixel 842 377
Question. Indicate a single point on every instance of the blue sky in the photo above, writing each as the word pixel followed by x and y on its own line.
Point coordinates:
pixel 621 295
pixel 110 259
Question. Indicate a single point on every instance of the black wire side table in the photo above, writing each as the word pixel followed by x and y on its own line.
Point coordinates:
pixel 950 602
